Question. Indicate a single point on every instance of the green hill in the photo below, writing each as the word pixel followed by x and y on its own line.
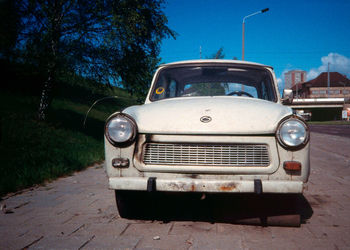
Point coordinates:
pixel 32 152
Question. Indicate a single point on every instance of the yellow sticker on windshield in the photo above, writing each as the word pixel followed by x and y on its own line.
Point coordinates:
pixel 159 90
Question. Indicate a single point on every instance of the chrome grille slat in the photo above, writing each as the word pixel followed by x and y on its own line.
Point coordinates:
pixel 230 155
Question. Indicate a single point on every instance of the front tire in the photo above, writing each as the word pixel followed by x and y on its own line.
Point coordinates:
pixel 126 202
pixel 135 204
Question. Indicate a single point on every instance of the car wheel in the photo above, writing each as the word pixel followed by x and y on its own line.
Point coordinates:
pixel 135 204
pixel 126 202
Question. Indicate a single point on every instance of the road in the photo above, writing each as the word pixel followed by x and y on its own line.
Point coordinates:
pixel 339 130
pixel 79 212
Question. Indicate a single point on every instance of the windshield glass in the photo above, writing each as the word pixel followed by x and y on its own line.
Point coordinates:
pixel 213 81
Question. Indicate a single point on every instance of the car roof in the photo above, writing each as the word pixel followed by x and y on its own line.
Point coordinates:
pixel 216 61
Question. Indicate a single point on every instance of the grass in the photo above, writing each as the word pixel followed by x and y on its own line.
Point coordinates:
pixel 33 152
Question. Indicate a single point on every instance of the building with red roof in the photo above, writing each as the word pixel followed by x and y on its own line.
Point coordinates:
pixel 318 87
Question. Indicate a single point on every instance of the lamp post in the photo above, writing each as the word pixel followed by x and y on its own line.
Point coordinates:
pixel 244 18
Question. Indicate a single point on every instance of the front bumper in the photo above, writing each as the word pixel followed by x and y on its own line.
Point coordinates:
pixel 205 185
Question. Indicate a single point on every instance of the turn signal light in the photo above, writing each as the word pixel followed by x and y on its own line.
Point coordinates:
pixel 292 165
pixel 120 163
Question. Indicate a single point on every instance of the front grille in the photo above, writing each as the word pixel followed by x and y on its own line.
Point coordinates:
pixel 230 155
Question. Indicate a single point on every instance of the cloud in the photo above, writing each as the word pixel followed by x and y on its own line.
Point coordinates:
pixel 280 83
pixel 280 80
pixel 337 63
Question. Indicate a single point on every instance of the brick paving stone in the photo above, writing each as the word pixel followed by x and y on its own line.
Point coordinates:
pixel 255 236
pixel 284 243
pixel 203 227
pixel 147 229
pixel 113 242
pixel 215 241
pixel 20 242
pixel 291 236
pixel 115 228
pixel 11 237
pixel 265 245
pixel 231 229
pixel 165 242
pixel 190 227
pixel 339 236
pixel 13 219
pixel 181 228
pixel 52 242
pixel 312 243
pixel 321 220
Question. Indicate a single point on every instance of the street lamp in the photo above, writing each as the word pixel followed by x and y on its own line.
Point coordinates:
pixel 244 18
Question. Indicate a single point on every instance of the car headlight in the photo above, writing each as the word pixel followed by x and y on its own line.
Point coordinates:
pixel 120 130
pixel 293 133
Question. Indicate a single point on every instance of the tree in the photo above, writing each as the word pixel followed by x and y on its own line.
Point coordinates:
pixel 133 42
pixel 218 55
pixel 109 41
pixel 9 26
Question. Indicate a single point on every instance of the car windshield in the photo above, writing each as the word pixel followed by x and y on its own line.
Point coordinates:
pixel 213 81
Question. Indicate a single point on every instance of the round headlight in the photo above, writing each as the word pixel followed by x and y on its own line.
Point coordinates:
pixel 293 133
pixel 120 130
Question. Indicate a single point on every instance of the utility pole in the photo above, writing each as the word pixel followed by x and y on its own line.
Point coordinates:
pixel 296 90
pixel 328 81
pixel 200 52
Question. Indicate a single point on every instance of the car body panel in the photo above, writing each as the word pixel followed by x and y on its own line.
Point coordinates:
pixel 228 115
pixel 203 185
pixel 231 120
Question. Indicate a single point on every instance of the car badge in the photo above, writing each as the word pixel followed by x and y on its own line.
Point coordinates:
pixel 205 119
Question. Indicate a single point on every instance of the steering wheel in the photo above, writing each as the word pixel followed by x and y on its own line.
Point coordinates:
pixel 240 93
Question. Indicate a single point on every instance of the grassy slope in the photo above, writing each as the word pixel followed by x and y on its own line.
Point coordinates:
pixel 32 152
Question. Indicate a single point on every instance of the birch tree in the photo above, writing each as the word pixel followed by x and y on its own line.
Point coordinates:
pixel 111 41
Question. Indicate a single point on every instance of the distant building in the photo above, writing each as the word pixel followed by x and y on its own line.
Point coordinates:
pixel 294 77
pixel 318 87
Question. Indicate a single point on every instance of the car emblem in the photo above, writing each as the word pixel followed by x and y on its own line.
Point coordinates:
pixel 205 119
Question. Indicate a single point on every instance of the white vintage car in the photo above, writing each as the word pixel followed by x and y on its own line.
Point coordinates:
pixel 207 126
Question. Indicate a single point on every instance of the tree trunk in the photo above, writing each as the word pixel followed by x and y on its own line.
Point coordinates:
pixel 46 95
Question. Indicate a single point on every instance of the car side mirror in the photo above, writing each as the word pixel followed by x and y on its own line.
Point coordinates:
pixel 287 97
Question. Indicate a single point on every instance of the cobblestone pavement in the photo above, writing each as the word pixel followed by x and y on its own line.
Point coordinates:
pixel 79 212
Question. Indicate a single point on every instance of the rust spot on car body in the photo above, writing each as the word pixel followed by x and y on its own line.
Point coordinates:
pixel 193 187
pixel 138 152
pixel 177 186
pixel 228 187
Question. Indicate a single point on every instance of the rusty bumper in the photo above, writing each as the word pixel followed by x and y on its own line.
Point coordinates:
pixel 203 185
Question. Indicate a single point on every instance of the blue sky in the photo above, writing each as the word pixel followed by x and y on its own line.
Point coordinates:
pixel 291 35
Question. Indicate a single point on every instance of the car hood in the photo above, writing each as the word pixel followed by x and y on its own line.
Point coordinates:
pixel 228 115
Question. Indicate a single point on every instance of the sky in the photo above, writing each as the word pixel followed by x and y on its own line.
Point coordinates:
pixel 297 34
